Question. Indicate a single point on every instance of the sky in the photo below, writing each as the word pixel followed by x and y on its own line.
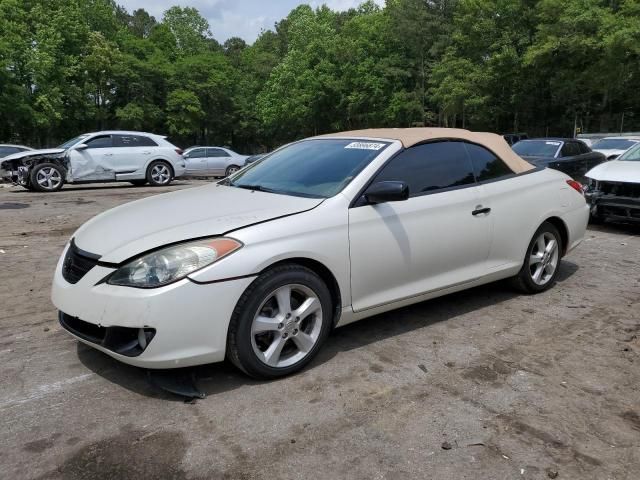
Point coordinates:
pixel 237 18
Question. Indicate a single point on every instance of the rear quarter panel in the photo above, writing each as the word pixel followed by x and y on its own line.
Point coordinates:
pixel 519 205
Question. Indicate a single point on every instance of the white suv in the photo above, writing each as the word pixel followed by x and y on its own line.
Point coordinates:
pixel 109 156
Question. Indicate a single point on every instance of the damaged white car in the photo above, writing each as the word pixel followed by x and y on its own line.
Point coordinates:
pixel 613 190
pixel 108 156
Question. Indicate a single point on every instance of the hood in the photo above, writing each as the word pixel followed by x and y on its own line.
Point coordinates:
pixel 133 228
pixel 616 171
pixel 609 151
pixel 33 153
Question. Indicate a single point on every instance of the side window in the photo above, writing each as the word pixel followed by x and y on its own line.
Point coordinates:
pixel 583 147
pixel 569 149
pixel 145 141
pixel 103 141
pixel 125 141
pixel 430 167
pixel 485 164
pixel 197 153
pixel 216 152
pixel 4 151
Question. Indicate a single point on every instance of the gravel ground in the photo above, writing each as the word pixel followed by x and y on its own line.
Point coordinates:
pixel 483 384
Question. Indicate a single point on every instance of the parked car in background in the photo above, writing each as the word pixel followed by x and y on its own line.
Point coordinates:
pixel 108 156
pixel 8 149
pixel 613 191
pixel 613 147
pixel 567 155
pixel 512 138
pixel 260 267
pixel 213 161
pixel 255 158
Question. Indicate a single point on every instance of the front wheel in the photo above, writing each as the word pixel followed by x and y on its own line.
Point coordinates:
pixel 280 322
pixel 159 174
pixel 541 261
pixel 47 177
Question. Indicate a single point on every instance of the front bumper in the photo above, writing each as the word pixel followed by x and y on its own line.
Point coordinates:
pixel 183 324
pixel 614 207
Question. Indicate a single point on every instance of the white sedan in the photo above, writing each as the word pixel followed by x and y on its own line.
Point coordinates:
pixel 259 267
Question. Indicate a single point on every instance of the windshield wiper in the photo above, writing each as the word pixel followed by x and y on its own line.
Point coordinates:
pixel 257 188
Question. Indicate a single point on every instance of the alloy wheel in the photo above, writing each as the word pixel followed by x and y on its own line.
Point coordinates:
pixel 160 174
pixel 543 258
pixel 287 326
pixel 49 178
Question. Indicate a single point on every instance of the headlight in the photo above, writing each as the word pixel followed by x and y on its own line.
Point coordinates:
pixel 172 263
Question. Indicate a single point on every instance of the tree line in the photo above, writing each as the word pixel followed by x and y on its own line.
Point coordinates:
pixel 539 66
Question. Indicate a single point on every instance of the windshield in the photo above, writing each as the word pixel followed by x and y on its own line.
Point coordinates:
pixel 72 142
pixel 311 168
pixel 614 144
pixel 631 155
pixel 537 148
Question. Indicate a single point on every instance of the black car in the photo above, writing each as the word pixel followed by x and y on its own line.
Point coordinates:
pixel 568 155
pixel 512 138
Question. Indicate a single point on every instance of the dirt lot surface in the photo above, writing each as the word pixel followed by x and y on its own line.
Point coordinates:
pixel 484 384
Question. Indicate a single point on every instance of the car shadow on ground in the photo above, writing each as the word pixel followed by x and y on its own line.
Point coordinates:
pixel 217 378
pixel 99 187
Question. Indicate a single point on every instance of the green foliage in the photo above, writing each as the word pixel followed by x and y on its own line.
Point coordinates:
pixel 68 66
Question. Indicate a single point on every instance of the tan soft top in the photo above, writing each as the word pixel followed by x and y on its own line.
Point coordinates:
pixel 411 136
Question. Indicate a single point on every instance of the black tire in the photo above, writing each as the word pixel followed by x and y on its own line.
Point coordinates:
pixel 231 169
pixel 240 344
pixel 154 177
pixel 55 173
pixel 138 183
pixel 524 280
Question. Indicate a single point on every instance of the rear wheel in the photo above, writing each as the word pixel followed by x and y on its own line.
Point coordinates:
pixel 541 262
pixel 159 173
pixel 47 177
pixel 280 322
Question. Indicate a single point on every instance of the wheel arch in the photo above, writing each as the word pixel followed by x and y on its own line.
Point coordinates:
pixel 324 273
pixel 564 232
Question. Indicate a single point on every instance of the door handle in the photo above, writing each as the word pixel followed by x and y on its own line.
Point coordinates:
pixel 108 154
pixel 147 152
pixel 480 210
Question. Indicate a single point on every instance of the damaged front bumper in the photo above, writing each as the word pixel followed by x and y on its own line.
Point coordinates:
pixel 614 207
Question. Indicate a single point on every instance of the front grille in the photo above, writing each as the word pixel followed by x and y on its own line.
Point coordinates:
pixel 620 189
pixel 77 263
pixel 126 341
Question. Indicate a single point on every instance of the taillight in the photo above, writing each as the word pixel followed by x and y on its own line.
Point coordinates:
pixel 179 151
pixel 577 186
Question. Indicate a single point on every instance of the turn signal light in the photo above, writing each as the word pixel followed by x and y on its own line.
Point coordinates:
pixel 577 186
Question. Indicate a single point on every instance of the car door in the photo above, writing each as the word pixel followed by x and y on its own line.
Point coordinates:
pixel 131 152
pixel 592 158
pixel 93 159
pixel 218 160
pixel 512 202
pixel 437 238
pixel 196 161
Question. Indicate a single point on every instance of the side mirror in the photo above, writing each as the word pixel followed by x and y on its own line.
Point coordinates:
pixel 390 191
pixel 81 146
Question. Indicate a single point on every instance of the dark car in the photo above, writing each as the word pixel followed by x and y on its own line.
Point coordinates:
pixel 568 155
pixel 512 138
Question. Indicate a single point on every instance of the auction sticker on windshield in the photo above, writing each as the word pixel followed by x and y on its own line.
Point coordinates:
pixel 365 145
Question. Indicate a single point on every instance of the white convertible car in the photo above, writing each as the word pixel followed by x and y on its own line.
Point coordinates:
pixel 259 267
